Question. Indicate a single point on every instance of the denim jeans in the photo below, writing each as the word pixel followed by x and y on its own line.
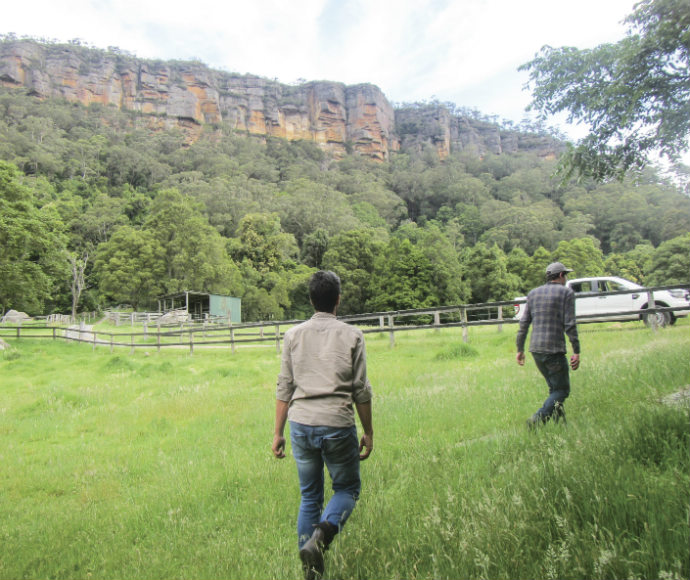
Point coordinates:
pixel 554 367
pixel 338 449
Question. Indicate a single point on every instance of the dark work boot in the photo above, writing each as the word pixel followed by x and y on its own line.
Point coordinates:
pixel 535 421
pixel 559 413
pixel 311 553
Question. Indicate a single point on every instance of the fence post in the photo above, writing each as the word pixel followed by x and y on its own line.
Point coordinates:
pixel 463 319
pixel 500 319
pixel 391 332
pixel 381 323
pixel 232 339
pixel 437 321
pixel 277 338
pixel 146 330
pixel 191 342
pixel 54 332
pixel 651 306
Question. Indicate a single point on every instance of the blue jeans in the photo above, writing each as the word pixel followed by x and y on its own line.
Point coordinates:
pixel 338 448
pixel 554 367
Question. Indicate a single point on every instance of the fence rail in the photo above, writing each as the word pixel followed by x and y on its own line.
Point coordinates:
pixel 194 334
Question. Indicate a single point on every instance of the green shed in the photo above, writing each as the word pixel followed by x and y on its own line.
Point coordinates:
pixel 202 306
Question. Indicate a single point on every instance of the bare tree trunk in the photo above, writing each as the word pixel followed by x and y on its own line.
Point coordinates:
pixel 78 265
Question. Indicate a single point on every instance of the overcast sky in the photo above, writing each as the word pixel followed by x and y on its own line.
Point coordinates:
pixel 462 51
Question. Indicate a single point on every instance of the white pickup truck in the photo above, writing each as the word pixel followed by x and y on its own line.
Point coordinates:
pixel 590 302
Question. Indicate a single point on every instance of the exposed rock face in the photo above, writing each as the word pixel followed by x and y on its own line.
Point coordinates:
pixel 435 125
pixel 338 117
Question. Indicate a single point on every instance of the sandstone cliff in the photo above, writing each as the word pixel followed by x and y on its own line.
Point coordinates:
pixel 338 117
pixel 418 126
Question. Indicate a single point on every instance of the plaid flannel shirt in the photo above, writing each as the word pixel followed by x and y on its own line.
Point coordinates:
pixel 550 309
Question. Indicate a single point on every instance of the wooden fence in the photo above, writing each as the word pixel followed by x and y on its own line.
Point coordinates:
pixel 194 334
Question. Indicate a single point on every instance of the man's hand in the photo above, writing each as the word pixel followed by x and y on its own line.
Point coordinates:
pixel 278 446
pixel 366 444
pixel 575 362
pixel 521 358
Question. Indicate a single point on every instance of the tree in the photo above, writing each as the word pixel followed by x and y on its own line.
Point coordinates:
pixel 297 283
pixel 536 270
pixel 487 271
pixel 263 243
pixel 306 206
pixel 31 260
pixel 130 266
pixel 670 263
pixel 195 253
pixel 101 217
pixel 314 247
pixel 582 255
pixel 402 278
pixel 447 275
pixel 634 94
pixel 527 227
pixel 624 266
pixel 518 264
pixel 78 264
pixel 351 255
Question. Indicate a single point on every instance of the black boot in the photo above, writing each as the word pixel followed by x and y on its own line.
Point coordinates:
pixel 535 421
pixel 311 553
pixel 559 413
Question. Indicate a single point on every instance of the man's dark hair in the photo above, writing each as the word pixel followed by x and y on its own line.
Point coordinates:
pixel 324 289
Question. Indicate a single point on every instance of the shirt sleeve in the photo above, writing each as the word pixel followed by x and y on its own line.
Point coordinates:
pixel 361 387
pixel 525 321
pixel 286 379
pixel 570 322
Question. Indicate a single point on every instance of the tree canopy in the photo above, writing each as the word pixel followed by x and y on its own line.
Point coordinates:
pixel 100 209
pixel 634 94
pixel 31 239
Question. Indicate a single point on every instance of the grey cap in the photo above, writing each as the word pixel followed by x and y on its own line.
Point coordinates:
pixel 556 268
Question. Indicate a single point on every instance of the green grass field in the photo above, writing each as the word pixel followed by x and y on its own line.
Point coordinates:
pixel 158 465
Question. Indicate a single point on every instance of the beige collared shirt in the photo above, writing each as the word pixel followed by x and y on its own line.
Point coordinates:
pixel 323 371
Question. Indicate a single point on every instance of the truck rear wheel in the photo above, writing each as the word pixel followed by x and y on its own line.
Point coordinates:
pixel 659 318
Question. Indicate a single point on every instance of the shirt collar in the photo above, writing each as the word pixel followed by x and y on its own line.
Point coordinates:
pixel 323 315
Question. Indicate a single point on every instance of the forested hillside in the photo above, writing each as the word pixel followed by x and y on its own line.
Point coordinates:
pixel 99 209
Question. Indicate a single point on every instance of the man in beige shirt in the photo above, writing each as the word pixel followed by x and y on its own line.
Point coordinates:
pixel 323 374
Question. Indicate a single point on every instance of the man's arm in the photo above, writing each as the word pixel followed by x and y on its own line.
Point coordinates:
pixel 521 336
pixel 278 446
pixel 284 392
pixel 570 328
pixel 367 441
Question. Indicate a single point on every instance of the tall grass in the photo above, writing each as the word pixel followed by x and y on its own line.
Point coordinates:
pixel 158 465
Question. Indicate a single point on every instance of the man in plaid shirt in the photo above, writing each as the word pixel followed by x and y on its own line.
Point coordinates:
pixel 550 309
